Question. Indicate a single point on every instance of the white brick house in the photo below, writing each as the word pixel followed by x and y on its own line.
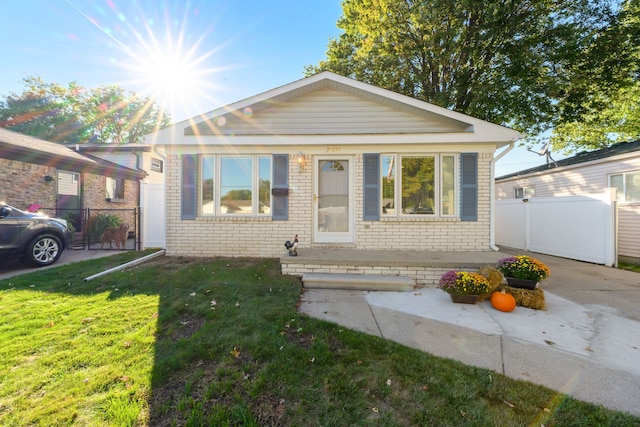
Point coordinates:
pixel 340 163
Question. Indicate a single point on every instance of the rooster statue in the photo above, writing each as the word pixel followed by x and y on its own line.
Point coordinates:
pixel 292 247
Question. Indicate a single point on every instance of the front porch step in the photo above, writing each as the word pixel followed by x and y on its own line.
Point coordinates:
pixel 364 282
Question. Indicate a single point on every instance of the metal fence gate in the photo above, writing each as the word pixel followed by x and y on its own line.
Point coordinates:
pixel 106 229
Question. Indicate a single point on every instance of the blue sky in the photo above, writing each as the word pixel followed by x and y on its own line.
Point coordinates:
pixel 229 50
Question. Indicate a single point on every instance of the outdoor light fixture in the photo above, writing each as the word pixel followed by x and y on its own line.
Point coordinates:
pixel 48 178
pixel 301 162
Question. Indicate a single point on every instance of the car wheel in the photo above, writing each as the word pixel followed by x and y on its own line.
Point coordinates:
pixel 43 250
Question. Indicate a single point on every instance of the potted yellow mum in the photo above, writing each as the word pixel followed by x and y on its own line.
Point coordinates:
pixel 464 287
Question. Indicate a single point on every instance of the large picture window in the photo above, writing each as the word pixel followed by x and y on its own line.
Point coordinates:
pixel 424 185
pixel 235 185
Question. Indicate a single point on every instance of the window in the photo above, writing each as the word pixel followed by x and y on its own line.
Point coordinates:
pixel 427 185
pixel 523 192
pixel 628 186
pixel 156 165
pixel 115 188
pixel 239 185
pixel 388 185
pixel 207 185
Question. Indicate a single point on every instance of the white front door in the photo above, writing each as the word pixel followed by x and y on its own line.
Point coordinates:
pixel 333 210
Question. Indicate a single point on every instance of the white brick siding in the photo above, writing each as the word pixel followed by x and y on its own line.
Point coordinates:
pixel 263 237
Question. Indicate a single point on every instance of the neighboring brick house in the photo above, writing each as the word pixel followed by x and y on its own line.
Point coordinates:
pixel 151 160
pixel 340 163
pixel 62 181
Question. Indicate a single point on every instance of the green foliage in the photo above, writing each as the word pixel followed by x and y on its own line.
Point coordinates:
pixel 100 222
pixel 74 114
pixel 602 106
pixel 193 341
pixel 508 62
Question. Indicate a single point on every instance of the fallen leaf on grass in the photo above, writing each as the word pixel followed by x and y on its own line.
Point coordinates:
pixel 49 325
pixel 389 383
pixel 88 319
pixel 235 352
pixel 374 409
pixel 509 404
pixel 126 344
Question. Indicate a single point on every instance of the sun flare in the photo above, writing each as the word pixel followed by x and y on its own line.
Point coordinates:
pixel 171 77
pixel 161 59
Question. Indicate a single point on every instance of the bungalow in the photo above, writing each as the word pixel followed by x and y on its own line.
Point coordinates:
pixel 342 164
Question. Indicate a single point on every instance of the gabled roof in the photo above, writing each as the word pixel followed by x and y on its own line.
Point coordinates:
pixel 423 122
pixel 25 148
pixel 582 157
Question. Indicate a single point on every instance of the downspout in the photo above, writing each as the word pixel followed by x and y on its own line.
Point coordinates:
pixel 492 197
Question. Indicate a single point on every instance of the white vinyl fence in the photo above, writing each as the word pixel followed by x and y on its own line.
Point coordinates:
pixel 576 227
pixel 153 215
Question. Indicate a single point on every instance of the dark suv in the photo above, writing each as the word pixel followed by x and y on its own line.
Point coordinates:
pixel 36 239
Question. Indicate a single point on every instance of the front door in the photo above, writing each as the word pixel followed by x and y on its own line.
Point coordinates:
pixel 333 200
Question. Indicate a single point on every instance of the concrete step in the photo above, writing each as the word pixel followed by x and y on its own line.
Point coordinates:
pixel 364 282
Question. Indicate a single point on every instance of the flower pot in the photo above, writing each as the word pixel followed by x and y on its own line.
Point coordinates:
pixel 464 299
pixel 521 283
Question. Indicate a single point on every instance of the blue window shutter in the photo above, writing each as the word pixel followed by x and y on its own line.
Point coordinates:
pixel 189 173
pixel 280 187
pixel 371 187
pixel 469 186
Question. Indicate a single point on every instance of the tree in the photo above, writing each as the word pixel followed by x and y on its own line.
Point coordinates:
pixel 504 61
pixel 73 114
pixel 603 102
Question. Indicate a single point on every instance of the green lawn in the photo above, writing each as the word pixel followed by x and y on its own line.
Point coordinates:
pixel 219 342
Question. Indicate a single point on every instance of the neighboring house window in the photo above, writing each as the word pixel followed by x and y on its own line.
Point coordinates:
pixel 115 188
pixel 628 186
pixel 235 185
pixel 523 192
pixel 157 165
pixel 426 185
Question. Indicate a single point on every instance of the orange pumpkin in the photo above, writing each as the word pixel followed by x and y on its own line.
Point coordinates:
pixel 503 301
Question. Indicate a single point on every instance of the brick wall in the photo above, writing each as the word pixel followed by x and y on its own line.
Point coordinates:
pixel 95 193
pixel 263 237
pixel 22 184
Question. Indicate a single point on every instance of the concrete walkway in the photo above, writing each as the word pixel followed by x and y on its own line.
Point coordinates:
pixel 585 344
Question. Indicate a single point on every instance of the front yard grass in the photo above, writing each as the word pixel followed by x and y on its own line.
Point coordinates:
pixel 179 341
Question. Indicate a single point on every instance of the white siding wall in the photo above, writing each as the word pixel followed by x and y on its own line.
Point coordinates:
pixel 629 231
pixel 591 178
pixel 324 112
